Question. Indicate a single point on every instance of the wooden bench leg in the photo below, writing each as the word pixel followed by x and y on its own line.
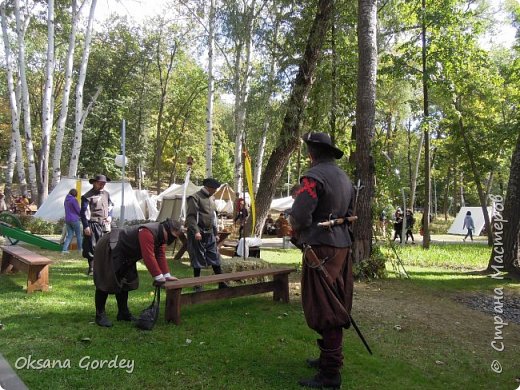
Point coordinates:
pixel 38 278
pixel 173 306
pixel 6 262
pixel 281 290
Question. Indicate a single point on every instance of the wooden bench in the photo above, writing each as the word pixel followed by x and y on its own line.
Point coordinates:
pixel 174 299
pixel 16 258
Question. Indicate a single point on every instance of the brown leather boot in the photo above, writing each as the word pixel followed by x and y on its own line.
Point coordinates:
pixel 313 363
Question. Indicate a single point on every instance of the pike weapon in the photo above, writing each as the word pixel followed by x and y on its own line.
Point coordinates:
pixel 314 262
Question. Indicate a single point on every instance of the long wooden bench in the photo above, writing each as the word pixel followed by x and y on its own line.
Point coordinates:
pixel 279 285
pixel 16 258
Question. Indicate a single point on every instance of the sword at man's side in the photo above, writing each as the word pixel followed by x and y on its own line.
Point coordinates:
pixel 314 262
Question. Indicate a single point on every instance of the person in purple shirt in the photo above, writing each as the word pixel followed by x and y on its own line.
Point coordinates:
pixel 72 220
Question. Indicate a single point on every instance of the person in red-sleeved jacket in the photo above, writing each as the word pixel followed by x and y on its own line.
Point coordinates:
pixel 115 259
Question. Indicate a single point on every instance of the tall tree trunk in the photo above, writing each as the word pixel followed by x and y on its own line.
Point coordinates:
pixel 242 73
pixel 163 80
pixel 446 194
pixel 415 172
pixel 9 172
pixel 506 223
pixel 62 119
pixel 334 78
pixel 80 112
pixel 290 131
pixel 269 108
pixel 461 189
pixel 16 149
pixel 426 125
pixel 476 178
pixel 365 126
pixel 211 92
pixel 47 107
pixel 21 27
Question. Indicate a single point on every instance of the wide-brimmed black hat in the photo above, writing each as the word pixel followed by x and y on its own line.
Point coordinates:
pixel 101 178
pixel 324 140
pixel 211 183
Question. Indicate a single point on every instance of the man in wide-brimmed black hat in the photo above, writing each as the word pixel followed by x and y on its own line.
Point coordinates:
pixel 201 221
pixel 96 216
pixel 325 193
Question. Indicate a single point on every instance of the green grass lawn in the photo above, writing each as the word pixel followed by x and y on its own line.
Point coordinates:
pixel 421 337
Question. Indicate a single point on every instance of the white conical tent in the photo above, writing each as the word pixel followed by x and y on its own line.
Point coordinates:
pixel 224 199
pixel 478 220
pixel 52 209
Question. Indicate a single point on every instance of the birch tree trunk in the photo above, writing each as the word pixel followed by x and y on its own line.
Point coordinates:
pixel 60 127
pixel 80 112
pixel 47 107
pixel 242 91
pixel 211 92
pixel 21 27
pixel 365 126
pixel 16 150
pixel 290 131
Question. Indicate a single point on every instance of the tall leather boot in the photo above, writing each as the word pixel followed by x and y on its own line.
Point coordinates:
pixel 328 376
pixel 90 269
pixel 314 362
pixel 100 300
pixel 123 313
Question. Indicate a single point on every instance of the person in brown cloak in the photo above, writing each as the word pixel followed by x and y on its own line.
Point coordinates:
pixel 115 259
pixel 325 193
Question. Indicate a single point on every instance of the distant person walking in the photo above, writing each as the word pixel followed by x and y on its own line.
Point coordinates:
pixel 470 225
pixel 398 225
pixel 72 220
pixel 410 221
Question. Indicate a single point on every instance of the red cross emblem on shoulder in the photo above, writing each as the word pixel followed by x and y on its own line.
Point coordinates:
pixel 309 186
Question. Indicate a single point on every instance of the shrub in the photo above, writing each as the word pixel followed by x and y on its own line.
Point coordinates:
pixel 372 268
pixel 38 225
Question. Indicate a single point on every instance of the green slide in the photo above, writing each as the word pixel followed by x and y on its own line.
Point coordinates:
pixel 10 228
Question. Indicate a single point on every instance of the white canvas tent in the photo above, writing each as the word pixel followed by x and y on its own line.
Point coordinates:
pixel 224 206
pixel 281 204
pixel 172 203
pixel 478 219
pixel 225 198
pixel 143 198
pixel 169 191
pixel 225 192
pixel 52 209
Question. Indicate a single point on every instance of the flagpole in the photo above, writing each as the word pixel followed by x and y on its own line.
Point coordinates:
pixel 123 151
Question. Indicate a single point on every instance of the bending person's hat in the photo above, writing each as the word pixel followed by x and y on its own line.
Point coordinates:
pixel 211 183
pixel 324 141
pixel 172 225
pixel 101 178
